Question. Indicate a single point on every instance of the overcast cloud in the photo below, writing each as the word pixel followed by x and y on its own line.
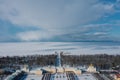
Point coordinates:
pixel 66 20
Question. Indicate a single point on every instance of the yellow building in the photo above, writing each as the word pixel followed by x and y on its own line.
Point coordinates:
pixel 117 77
pixel 73 70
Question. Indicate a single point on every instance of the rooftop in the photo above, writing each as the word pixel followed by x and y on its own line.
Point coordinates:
pixel 118 75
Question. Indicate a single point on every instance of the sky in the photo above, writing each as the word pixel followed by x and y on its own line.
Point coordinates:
pixel 59 20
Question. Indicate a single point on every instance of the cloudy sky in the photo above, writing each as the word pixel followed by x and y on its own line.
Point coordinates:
pixel 59 20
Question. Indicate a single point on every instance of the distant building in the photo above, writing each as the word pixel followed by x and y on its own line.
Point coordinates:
pixel 26 68
pixel 91 68
pixel 1 71
pixel 59 68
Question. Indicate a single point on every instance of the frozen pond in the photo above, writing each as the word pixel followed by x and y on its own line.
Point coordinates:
pixel 27 48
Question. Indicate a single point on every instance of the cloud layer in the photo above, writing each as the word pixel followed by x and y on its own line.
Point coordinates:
pixel 61 19
pixel 53 13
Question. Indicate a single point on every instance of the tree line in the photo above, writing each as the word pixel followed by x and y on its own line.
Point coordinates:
pixel 101 61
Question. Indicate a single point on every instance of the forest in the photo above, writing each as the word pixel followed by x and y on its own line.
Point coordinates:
pixel 101 61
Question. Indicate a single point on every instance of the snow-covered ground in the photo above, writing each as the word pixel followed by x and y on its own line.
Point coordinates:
pixel 25 48
pixel 86 77
pixel 33 77
pixel 59 76
pixel 80 77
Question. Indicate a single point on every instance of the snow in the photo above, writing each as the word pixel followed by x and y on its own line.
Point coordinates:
pixel 33 77
pixel 60 77
pixel 76 48
pixel 86 77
